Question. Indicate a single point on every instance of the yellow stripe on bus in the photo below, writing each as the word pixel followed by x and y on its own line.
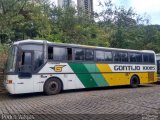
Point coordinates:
pixel 114 79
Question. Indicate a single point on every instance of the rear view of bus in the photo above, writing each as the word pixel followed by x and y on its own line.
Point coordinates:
pixel 42 66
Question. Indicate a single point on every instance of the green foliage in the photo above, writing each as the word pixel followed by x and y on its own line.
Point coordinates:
pixel 3 54
pixel 3 49
pixel 112 27
pixel 23 19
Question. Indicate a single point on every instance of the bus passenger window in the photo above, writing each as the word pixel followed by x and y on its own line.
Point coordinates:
pixel 124 57
pixel 151 58
pixel 132 57
pixel 59 53
pixel 50 53
pixel 117 57
pixel 79 54
pixel 108 56
pixel 135 57
pixel 69 53
pixel 139 57
pixel 100 56
pixel 89 55
pixel 145 58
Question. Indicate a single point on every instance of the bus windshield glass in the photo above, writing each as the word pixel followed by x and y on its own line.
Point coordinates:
pixel 11 63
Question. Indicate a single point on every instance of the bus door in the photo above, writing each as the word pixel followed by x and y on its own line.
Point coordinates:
pixel 158 66
pixel 24 82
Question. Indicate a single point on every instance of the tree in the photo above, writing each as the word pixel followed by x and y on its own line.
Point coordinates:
pixel 22 19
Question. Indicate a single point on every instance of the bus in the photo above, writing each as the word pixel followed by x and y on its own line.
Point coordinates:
pixel 43 66
pixel 158 64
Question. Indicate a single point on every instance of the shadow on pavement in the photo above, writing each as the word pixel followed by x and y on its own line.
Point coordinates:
pixel 29 95
pixel 105 88
pixel 157 83
pixel 26 95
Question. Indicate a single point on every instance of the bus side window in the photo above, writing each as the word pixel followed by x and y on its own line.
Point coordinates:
pixel 145 58
pixel 69 53
pixel 59 53
pixel 79 54
pixel 132 57
pixel 151 58
pixel 135 57
pixel 50 53
pixel 117 57
pixel 139 57
pixel 89 55
pixel 124 57
pixel 108 56
pixel 100 55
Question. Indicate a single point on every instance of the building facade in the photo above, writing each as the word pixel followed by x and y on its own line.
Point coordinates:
pixel 64 3
pixel 85 5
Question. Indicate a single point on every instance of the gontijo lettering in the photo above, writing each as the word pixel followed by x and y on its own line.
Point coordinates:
pixel 133 68
pixel 125 68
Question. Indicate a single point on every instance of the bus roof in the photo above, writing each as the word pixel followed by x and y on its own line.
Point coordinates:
pixel 78 45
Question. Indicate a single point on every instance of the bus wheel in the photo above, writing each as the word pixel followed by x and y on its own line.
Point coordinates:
pixel 52 87
pixel 134 82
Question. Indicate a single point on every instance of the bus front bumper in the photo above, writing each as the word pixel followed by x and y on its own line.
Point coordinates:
pixel 9 87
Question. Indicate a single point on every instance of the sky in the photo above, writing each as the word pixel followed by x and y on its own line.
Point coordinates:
pixel 151 8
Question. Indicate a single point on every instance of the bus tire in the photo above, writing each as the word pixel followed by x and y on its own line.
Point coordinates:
pixel 52 86
pixel 134 82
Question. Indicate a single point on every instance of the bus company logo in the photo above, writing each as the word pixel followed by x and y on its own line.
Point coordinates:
pixel 58 68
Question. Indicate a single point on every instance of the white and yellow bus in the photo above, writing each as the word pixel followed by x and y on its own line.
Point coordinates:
pixel 42 66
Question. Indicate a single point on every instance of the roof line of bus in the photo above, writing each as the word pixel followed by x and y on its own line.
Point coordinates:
pixel 78 45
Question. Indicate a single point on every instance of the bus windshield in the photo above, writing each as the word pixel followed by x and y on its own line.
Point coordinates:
pixel 11 62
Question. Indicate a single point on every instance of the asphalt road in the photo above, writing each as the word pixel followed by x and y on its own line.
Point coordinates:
pixel 105 103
